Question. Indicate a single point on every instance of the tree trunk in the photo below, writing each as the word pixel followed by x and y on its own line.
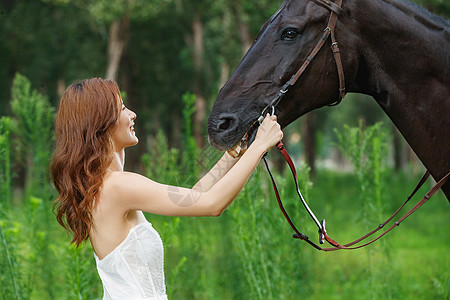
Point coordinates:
pixel 309 140
pixel 200 102
pixel 118 39
pixel 60 86
pixel 399 159
pixel 225 65
pixel 244 30
pixel 176 136
pixel 412 159
pixel 224 73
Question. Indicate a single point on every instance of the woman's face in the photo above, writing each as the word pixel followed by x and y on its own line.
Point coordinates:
pixel 124 135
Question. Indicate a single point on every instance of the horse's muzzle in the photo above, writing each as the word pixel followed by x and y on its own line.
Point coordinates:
pixel 227 130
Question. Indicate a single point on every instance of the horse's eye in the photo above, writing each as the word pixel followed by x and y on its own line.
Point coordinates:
pixel 289 34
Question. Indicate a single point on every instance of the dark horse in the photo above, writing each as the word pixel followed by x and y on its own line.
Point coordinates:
pixel 392 50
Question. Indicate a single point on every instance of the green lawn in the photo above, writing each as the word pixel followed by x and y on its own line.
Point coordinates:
pixel 248 252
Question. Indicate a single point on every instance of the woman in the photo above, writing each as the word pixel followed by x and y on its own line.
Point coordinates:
pixel 101 202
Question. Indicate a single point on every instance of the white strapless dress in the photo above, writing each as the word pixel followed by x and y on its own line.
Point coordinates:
pixel 135 269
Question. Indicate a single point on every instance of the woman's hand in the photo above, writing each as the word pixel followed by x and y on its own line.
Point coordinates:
pixel 129 191
pixel 269 133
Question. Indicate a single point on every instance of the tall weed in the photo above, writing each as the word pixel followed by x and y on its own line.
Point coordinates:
pixel 31 133
pixel 77 271
pixel 11 279
pixel 366 149
pixel 36 238
pixel 191 158
pixel 249 239
pixel 5 161
pixel 35 117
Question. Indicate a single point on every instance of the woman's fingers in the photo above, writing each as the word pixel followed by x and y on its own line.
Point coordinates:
pixel 269 133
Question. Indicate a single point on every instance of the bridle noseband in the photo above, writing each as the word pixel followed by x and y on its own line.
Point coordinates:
pixel 335 9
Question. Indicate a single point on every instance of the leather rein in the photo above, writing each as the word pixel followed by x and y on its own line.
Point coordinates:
pixel 335 9
pixel 323 236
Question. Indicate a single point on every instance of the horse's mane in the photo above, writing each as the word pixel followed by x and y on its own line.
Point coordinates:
pixel 421 14
pixel 419 11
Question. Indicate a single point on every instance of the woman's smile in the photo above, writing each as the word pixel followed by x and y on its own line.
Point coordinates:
pixel 124 134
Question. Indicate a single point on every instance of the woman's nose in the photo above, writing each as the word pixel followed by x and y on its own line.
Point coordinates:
pixel 133 115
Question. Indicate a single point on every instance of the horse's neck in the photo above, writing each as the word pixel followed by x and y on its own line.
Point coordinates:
pixel 402 47
pixel 405 65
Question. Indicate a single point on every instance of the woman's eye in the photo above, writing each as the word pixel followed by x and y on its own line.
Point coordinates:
pixel 289 34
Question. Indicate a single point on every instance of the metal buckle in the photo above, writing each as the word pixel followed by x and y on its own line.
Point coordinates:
pixel 322 232
pixel 261 117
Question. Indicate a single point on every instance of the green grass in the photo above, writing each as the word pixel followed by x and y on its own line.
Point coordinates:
pixel 248 252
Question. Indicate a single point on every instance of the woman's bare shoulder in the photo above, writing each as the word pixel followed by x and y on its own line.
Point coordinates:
pixel 122 185
pixel 117 182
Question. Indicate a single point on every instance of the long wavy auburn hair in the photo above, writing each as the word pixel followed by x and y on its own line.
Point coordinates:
pixel 87 116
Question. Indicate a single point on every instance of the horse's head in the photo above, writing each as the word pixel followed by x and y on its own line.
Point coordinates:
pixel 283 44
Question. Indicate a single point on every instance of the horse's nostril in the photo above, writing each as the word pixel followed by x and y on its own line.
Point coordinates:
pixel 226 122
pixel 223 124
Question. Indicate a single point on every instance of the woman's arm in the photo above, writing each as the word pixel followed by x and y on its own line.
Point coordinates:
pixel 131 191
pixel 222 167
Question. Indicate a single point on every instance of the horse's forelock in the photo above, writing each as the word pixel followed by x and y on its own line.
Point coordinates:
pixel 275 15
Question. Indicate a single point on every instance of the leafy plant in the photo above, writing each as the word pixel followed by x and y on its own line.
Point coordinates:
pixel 366 149
pixel 11 278
pixel 190 155
pixel 77 270
pixel 5 161
pixel 35 117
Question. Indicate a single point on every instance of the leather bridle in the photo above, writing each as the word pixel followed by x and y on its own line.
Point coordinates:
pixel 335 9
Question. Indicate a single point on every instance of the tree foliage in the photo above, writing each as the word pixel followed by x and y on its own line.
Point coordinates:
pixel 56 42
